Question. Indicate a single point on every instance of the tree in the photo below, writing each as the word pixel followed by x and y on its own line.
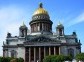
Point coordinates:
pixel 17 60
pixel 54 58
pixel 80 56
pixel 9 59
pixel 0 59
pixel 13 60
pixel 57 58
pixel 20 60
pixel 47 59
pixel 68 58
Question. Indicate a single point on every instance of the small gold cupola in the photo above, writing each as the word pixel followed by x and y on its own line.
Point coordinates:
pixel 59 24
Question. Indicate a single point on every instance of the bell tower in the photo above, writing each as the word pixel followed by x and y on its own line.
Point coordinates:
pixel 23 30
pixel 60 29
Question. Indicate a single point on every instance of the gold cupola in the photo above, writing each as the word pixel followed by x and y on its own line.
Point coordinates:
pixel 40 10
pixel 40 13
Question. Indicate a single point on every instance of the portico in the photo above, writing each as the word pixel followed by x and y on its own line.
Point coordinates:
pixel 37 53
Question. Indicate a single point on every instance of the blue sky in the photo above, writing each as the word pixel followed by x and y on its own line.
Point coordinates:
pixel 69 12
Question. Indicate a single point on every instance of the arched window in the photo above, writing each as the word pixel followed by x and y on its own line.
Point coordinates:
pixel 13 53
pixel 71 52
pixel 60 32
pixel 22 33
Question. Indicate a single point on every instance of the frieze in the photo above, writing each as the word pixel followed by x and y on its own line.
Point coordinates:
pixel 41 44
pixel 42 39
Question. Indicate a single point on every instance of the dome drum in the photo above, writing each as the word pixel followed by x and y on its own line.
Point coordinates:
pixel 41 16
pixel 40 25
pixel 41 21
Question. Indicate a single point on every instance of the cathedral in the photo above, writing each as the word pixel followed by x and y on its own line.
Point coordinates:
pixel 33 46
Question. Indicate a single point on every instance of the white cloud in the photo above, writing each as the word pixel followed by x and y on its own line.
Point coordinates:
pixel 76 20
pixel 10 20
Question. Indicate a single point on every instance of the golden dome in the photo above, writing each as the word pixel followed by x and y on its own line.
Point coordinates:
pixel 40 10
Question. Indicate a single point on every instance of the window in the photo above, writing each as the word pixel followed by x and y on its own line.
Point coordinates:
pixel 60 32
pixel 13 53
pixel 71 52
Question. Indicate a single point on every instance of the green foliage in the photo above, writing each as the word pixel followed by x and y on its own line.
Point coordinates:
pixel 80 56
pixel 54 58
pixel 0 59
pixel 47 59
pixel 68 58
pixel 5 59
pixel 60 58
pixel 20 60
pixel 57 58
pixel 9 59
pixel 13 60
